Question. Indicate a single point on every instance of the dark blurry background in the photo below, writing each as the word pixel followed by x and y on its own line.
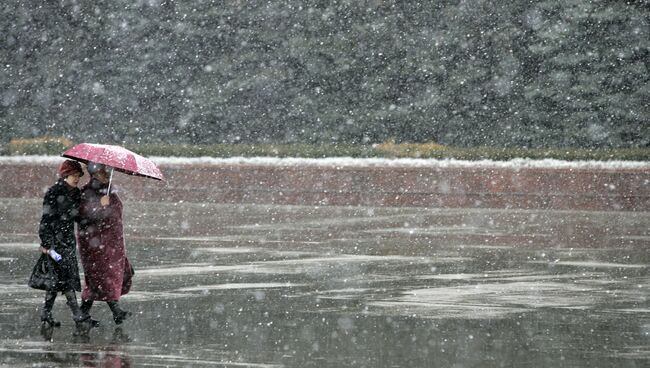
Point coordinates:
pixel 569 73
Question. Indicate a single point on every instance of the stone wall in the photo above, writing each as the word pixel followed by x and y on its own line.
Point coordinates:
pixel 455 187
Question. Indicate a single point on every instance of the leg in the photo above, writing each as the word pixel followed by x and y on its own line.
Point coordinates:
pixel 85 309
pixel 119 315
pixel 77 313
pixel 86 305
pixel 81 320
pixel 46 316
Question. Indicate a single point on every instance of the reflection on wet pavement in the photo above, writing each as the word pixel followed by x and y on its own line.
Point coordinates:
pixel 292 286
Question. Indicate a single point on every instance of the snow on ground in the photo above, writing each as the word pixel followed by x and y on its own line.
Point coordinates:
pixel 365 162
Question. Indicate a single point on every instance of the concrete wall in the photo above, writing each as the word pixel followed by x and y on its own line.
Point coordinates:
pixel 465 187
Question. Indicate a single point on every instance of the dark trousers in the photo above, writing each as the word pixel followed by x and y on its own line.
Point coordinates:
pixel 71 301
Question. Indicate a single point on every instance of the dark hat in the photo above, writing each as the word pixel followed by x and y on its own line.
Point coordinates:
pixel 69 167
pixel 94 167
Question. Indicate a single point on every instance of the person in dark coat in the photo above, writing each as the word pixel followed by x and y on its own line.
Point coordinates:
pixel 107 271
pixel 56 231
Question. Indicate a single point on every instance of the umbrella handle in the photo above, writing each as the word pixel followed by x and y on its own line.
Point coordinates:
pixel 110 181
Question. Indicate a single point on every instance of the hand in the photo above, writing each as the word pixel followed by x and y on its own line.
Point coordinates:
pixel 104 201
pixel 43 250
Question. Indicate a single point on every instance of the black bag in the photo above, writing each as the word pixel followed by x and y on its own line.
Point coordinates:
pixel 44 275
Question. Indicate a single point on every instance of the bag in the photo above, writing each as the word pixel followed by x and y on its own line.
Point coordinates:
pixel 44 275
pixel 127 281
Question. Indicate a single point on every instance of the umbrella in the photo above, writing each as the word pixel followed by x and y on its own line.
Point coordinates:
pixel 118 158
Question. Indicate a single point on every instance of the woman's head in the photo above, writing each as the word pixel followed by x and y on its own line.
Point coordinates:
pixel 70 171
pixel 99 171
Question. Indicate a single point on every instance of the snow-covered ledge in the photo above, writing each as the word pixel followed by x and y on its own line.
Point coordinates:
pixel 519 183
pixel 367 162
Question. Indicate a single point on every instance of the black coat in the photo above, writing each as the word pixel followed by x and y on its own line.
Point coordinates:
pixel 56 230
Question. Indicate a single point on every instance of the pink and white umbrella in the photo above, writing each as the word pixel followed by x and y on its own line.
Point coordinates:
pixel 118 158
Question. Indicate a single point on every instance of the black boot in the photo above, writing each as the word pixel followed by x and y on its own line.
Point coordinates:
pixel 47 331
pixel 46 315
pixel 82 327
pixel 85 309
pixel 81 319
pixel 119 315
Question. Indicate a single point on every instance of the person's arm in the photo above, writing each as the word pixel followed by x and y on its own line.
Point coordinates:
pixel 91 208
pixel 46 229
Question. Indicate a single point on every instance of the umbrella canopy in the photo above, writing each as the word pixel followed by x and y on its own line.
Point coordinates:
pixel 119 158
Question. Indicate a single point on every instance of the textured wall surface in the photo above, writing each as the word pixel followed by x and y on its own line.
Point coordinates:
pixel 458 187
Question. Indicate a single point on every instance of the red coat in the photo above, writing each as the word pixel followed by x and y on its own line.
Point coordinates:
pixel 107 271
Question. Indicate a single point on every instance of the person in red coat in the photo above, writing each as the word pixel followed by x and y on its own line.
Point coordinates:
pixel 107 271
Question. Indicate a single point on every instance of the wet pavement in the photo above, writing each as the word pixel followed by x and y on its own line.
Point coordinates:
pixel 296 286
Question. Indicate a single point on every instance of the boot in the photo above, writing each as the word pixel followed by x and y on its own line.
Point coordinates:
pixel 47 331
pixel 82 327
pixel 85 309
pixel 119 315
pixel 46 315
pixel 81 313
pixel 81 319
